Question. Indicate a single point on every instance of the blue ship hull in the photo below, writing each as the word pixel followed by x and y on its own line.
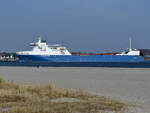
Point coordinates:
pixel 77 58
pixel 143 64
pixel 80 61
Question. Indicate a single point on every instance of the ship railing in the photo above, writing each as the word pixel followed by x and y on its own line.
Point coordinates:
pixel 55 45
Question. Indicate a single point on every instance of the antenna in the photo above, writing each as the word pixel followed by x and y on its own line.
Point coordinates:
pixel 40 37
pixel 130 44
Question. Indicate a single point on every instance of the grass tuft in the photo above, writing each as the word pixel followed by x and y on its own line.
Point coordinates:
pixel 2 82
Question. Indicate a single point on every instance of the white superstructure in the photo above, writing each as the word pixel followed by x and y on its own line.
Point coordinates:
pixel 41 48
pixel 130 51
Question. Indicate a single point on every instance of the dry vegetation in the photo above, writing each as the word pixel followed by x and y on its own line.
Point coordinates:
pixel 16 98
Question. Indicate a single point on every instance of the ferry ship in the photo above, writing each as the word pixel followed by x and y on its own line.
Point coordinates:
pixel 57 55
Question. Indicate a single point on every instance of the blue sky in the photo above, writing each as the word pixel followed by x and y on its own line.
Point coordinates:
pixel 81 25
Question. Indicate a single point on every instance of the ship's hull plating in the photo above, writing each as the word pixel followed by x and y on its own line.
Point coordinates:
pixel 143 64
pixel 77 58
pixel 80 61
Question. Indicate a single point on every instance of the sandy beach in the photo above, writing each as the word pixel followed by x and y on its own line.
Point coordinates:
pixel 127 84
